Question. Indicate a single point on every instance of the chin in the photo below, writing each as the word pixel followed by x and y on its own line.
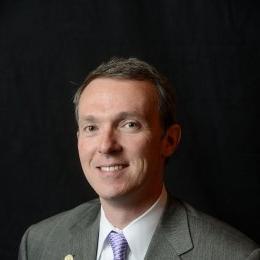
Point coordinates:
pixel 112 195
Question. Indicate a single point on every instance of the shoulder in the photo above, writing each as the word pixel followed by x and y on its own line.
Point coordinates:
pixel 48 238
pixel 212 238
pixel 61 224
pixel 202 225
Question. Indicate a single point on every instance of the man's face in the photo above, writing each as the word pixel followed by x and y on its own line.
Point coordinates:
pixel 120 140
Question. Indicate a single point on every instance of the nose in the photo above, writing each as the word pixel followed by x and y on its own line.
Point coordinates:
pixel 109 143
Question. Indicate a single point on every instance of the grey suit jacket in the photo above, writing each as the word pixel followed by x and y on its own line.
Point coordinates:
pixel 183 233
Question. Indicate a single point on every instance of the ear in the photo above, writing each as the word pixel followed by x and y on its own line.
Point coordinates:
pixel 171 140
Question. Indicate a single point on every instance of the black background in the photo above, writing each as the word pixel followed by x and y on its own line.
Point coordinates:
pixel 209 49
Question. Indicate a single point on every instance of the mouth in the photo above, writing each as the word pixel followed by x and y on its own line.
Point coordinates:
pixel 112 168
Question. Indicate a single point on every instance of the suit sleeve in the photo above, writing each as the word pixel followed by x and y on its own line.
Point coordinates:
pixel 22 255
pixel 255 255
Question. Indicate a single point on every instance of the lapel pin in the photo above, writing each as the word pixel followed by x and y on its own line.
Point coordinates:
pixel 68 257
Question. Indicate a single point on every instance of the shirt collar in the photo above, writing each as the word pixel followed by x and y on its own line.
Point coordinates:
pixel 139 232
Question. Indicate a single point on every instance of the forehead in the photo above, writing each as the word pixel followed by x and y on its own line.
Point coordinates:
pixel 105 94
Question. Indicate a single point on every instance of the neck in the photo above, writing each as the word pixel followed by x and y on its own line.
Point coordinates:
pixel 120 212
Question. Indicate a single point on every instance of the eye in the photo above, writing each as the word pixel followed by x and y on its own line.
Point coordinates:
pixel 90 129
pixel 131 125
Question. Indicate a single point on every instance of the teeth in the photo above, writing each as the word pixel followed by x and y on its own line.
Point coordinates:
pixel 111 168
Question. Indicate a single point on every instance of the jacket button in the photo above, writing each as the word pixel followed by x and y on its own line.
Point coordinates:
pixel 68 257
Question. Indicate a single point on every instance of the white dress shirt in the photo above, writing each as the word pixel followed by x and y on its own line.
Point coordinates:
pixel 138 233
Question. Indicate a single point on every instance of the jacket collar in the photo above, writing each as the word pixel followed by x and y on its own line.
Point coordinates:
pixel 84 233
pixel 172 236
pixel 170 240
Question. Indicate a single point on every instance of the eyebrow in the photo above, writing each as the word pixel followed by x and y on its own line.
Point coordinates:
pixel 119 116
pixel 128 114
pixel 88 118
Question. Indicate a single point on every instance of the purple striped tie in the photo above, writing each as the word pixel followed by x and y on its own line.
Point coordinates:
pixel 119 245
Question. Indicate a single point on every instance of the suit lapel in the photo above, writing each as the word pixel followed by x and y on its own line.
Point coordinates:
pixel 170 240
pixel 84 239
pixel 172 236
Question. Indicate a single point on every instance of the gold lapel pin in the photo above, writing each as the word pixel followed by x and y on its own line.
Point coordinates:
pixel 68 257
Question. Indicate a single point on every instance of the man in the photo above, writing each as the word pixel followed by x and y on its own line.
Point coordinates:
pixel 126 132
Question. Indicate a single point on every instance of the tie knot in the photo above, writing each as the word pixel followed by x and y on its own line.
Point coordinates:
pixel 118 244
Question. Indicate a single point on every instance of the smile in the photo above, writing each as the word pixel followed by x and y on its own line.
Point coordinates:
pixel 112 168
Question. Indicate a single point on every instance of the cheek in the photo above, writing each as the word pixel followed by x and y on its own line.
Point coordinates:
pixel 84 150
pixel 137 173
pixel 80 149
pixel 147 149
pixel 150 158
pixel 138 145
